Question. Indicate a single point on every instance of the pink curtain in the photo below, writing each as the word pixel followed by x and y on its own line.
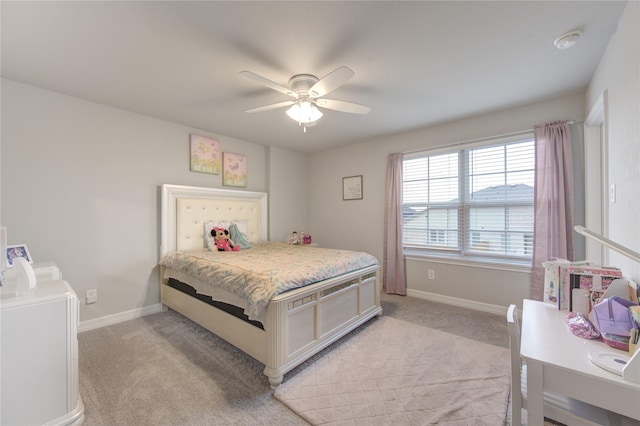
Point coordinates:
pixel 393 273
pixel 553 226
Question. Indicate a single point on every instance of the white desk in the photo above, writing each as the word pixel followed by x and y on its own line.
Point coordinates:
pixel 558 360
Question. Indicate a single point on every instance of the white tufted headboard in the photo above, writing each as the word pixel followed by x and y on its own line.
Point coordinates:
pixel 186 208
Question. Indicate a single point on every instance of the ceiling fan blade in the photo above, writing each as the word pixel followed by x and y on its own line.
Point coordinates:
pixel 266 82
pixel 271 106
pixel 330 82
pixel 343 106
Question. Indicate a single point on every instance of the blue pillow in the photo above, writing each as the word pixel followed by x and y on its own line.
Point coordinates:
pixel 238 237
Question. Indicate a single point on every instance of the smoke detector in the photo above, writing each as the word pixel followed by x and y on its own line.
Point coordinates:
pixel 567 40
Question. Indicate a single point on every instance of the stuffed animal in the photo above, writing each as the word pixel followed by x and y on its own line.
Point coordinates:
pixel 223 242
pixel 294 238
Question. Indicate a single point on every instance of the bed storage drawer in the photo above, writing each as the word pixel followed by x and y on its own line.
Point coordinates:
pixel 337 309
pixel 368 295
pixel 325 314
pixel 301 329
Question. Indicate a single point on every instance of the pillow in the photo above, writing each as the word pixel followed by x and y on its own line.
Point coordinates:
pixel 241 235
pixel 243 227
pixel 208 227
pixel 238 237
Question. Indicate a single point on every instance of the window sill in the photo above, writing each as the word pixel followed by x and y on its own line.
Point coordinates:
pixel 478 262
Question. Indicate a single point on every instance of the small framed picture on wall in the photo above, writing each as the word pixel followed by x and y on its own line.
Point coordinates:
pixel 352 188
pixel 205 155
pixel 234 169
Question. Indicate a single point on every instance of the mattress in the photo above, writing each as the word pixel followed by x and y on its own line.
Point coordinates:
pixel 250 278
pixel 229 308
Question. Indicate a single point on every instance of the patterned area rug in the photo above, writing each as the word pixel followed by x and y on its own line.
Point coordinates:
pixel 395 372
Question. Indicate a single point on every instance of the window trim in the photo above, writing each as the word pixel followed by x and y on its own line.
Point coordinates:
pixel 461 254
pixel 511 266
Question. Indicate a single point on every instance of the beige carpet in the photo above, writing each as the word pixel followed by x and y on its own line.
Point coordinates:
pixel 395 372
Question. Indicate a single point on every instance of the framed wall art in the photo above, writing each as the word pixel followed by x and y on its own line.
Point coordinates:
pixel 352 188
pixel 234 169
pixel 205 155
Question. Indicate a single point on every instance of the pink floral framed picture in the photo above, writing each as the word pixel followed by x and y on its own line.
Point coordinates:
pixel 205 155
pixel 234 169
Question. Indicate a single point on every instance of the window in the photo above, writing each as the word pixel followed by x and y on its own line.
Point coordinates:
pixel 475 201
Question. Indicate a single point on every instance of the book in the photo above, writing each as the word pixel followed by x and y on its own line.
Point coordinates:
pixel 552 280
pixel 563 291
pixel 595 280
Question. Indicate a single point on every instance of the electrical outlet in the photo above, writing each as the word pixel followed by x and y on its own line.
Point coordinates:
pixel 431 274
pixel 91 296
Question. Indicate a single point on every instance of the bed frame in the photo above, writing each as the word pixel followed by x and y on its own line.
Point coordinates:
pixel 298 323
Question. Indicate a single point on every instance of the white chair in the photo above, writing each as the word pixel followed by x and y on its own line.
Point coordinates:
pixel 556 407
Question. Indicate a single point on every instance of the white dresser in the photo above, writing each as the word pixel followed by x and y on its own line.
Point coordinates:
pixel 39 353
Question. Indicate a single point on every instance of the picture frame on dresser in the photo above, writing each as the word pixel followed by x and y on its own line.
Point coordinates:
pixel 3 248
pixel 18 250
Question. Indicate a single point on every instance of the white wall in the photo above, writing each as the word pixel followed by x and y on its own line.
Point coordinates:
pixel 358 225
pixel 80 186
pixel 287 193
pixel 619 75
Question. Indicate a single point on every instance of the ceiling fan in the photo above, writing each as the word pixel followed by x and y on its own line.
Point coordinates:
pixel 307 92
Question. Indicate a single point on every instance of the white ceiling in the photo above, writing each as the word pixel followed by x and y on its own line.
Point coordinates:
pixel 416 63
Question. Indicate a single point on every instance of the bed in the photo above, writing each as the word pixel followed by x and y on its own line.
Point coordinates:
pixel 294 324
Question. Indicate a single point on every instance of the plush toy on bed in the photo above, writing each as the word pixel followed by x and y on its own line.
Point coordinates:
pixel 223 242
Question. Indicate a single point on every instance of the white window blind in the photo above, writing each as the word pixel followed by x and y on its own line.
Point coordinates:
pixel 472 201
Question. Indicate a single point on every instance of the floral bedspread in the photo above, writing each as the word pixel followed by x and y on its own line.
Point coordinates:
pixel 267 269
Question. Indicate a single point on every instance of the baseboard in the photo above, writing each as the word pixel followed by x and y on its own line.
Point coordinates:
pixel 121 317
pixel 152 309
pixel 465 303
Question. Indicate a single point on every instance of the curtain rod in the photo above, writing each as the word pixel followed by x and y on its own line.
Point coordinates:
pixel 506 135
pixel 634 255
pixel 488 138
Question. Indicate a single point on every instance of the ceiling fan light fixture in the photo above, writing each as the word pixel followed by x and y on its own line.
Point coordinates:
pixel 308 91
pixel 304 112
